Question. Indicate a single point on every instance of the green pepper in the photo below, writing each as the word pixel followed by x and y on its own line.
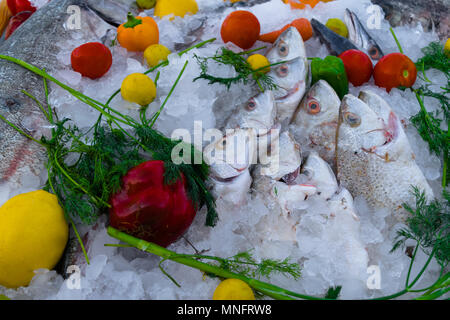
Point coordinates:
pixel 332 70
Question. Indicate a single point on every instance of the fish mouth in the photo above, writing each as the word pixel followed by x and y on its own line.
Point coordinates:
pixel 290 91
pixel 390 131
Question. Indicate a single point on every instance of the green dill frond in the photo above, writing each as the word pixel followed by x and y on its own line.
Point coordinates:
pixel 245 264
pixel 333 293
pixel 434 58
pixel 244 72
pixel 429 226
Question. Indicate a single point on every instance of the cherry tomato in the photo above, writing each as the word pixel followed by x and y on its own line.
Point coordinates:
pixel 395 70
pixel 358 66
pixel 16 21
pixel 17 6
pixel 241 28
pixel 91 59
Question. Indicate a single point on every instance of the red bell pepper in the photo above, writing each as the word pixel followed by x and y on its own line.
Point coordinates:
pixel 17 6
pixel 148 209
pixel 16 21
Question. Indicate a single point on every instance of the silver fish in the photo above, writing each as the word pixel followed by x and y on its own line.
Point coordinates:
pixel 229 159
pixel 257 113
pixel 291 78
pixel 315 121
pixel 374 158
pixel 284 160
pixel 320 175
pixel 335 43
pixel 360 37
pixel 287 47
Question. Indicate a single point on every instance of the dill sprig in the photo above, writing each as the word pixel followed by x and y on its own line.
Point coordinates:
pixel 434 58
pixel 428 225
pixel 429 124
pixel 245 264
pixel 244 72
pixel 333 293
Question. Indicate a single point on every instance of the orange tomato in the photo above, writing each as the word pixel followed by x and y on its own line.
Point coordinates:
pixel 395 70
pixel 302 25
pixel 138 33
pixel 301 4
pixel 241 28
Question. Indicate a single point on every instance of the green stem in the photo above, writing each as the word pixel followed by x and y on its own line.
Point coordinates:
pixel 251 51
pixel 419 275
pixel 198 45
pixel 155 117
pixel 29 95
pixel 411 264
pixel 132 21
pixel 79 240
pixel 396 40
pixel 392 296
pixel 12 125
pixel 263 287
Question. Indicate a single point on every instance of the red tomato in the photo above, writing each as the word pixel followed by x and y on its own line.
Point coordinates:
pixel 16 21
pixel 91 59
pixel 17 6
pixel 358 66
pixel 395 70
pixel 241 28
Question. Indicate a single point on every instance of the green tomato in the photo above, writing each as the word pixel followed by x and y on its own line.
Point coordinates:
pixel 146 4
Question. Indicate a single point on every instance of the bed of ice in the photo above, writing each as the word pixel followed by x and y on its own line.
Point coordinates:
pixel 119 273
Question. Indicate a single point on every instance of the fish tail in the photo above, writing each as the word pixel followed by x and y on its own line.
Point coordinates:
pixel 5 15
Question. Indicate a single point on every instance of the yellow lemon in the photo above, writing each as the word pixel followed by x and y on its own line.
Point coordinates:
pixel 337 26
pixel 447 48
pixel 233 289
pixel 176 7
pixel 33 235
pixel 258 61
pixel 138 88
pixel 156 53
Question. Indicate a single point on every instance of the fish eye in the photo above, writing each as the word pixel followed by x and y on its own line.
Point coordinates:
pixel 283 49
pixel 251 105
pixel 308 173
pixel 222 144
pixel 313 107
pixel 282 71
pixel 374 53
pixel 352 119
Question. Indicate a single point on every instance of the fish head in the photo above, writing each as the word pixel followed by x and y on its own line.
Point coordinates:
pixel 319 174
pixel 335 43
pixel 360 128
pixel 284 159
pixel 360 37
pixel 258 113
pixel 290 78
pixel 317 116
pixel 396 144
pixel 231 155
pixel 288 46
